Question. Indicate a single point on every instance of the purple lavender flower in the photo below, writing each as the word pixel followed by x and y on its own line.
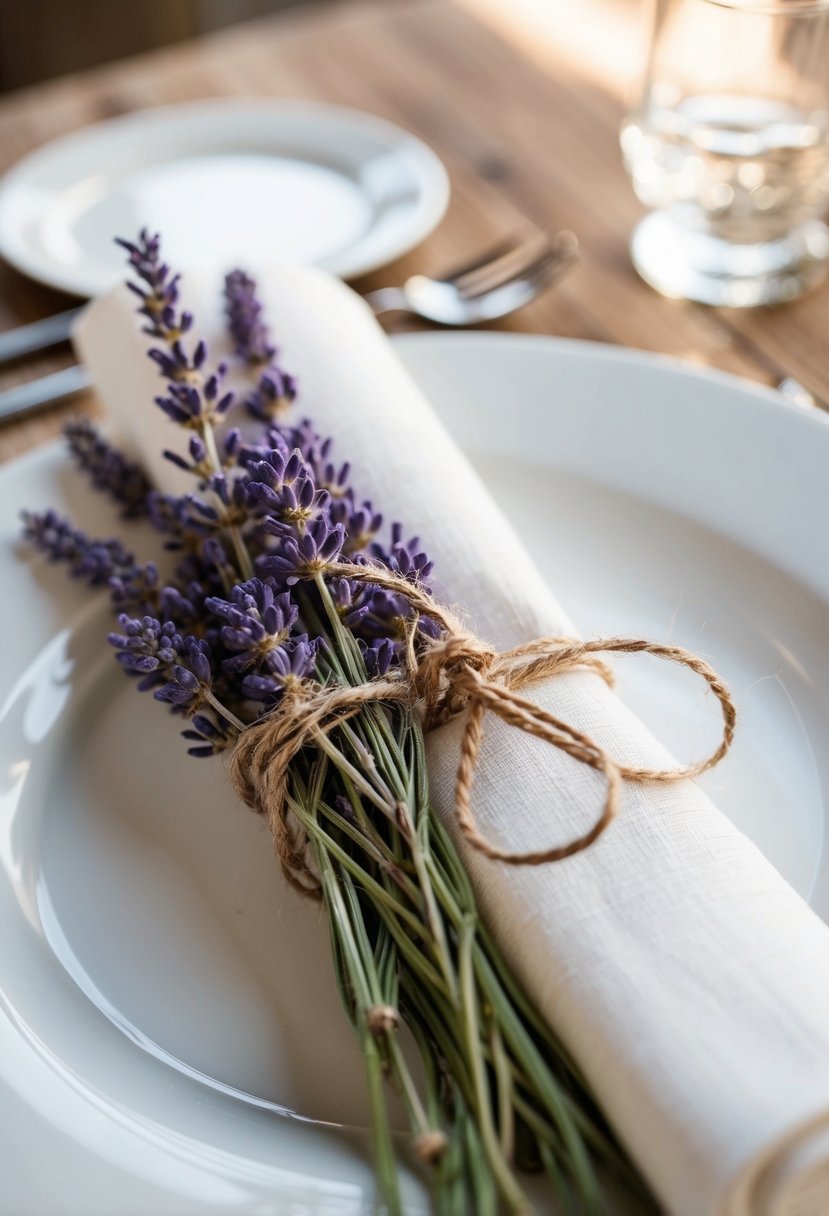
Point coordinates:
pixel 361 524
pixel 160 293
pixel 350 601
pixel 282 486
pixel 108 469
pixel 303 557
pixel 194 398
pixel 385 614
pixel 146 647
pixel 135 589
pixel 192 406
pixel 181 605
pixel 411 562
pixel 288 666
pixel 378 656
pixel 211 735
pixel 175 364
pixel 95 561
pixel 331 477
pixel 403 557
pixel 256 622
pixel 268 475
pixel 276 389
pixel 198 464
pixel 245 320
pixel 183 688
pixel 301 435
pixel 215 558
pixel 168 514
pixel 190 680
pixel 272 396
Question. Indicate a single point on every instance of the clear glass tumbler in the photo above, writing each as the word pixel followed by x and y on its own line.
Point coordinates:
pixel 729 147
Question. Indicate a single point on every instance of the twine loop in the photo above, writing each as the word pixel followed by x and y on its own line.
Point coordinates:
pixel 442 678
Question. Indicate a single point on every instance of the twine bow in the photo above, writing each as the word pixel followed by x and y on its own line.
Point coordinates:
pixel 442 678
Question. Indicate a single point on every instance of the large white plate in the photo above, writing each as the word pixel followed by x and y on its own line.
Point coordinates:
pixel 170 1037
pixel 228 181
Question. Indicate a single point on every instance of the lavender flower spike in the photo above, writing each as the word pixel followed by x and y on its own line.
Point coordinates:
pixel 304 557
pixel 247 326
pixel 95 561
pixel 273 395
pixel 287 667
pixel 251 336
pixel 159 296
pixel 256 622
pixel 108 469
pixel 145 646
pixel 190 680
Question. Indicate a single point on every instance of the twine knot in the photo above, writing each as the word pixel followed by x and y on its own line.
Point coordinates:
pixel 442 678
pixel 443 675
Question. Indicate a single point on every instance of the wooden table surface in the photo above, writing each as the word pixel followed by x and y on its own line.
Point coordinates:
pixel 523 103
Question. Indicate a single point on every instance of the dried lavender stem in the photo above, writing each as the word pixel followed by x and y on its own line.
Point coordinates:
pixel 223 711
pixel 385 1156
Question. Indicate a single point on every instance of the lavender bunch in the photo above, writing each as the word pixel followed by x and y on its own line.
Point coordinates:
pixel 256 612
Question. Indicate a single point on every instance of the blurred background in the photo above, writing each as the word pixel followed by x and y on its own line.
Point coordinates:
pixel 40 39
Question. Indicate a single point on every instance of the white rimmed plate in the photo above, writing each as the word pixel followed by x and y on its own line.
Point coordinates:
pixel 229 181
pixel 170 1039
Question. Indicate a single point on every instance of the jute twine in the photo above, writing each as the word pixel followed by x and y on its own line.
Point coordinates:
pixel 440 679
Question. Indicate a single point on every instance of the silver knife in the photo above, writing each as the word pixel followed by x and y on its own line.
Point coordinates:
pixel 38 336
pixel 42 392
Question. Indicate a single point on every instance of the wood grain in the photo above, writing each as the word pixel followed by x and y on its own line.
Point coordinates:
pixel 526 125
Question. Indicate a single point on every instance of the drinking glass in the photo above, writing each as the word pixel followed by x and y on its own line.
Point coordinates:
pixel 729 147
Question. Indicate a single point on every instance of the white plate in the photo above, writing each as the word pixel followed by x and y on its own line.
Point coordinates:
pixel 229 182
pixel 166 1001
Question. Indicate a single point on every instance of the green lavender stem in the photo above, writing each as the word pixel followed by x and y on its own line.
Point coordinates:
pixel 358 986
pixel 406 933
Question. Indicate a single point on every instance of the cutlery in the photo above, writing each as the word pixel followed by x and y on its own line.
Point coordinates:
pixel 495 283
pixel 45 391
pixel 38 336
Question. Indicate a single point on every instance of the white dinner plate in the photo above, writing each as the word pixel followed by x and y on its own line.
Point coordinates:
pixel 228 181
pixel 170 1037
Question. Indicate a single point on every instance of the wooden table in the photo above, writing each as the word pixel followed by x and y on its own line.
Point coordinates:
pixel 523 103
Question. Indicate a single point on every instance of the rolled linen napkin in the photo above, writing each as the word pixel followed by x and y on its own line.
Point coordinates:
pixel 689 981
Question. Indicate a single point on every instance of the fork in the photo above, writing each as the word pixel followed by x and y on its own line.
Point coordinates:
pixel 498 282
pixel 495 283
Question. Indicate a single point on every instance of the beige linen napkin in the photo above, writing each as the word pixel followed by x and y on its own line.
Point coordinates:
pixel 687 978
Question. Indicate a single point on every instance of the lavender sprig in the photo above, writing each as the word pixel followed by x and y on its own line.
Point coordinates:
pixel 108 468
pixel 157 289
pixel 276 389
pixel 245 320
pixel 194 399
pixel 94 561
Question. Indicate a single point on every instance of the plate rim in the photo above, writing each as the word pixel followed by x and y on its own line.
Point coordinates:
pixel 430 171
pixel 609 352
pixel 590 351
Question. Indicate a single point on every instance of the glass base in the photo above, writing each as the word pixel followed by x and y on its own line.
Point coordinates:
pixel 688 265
